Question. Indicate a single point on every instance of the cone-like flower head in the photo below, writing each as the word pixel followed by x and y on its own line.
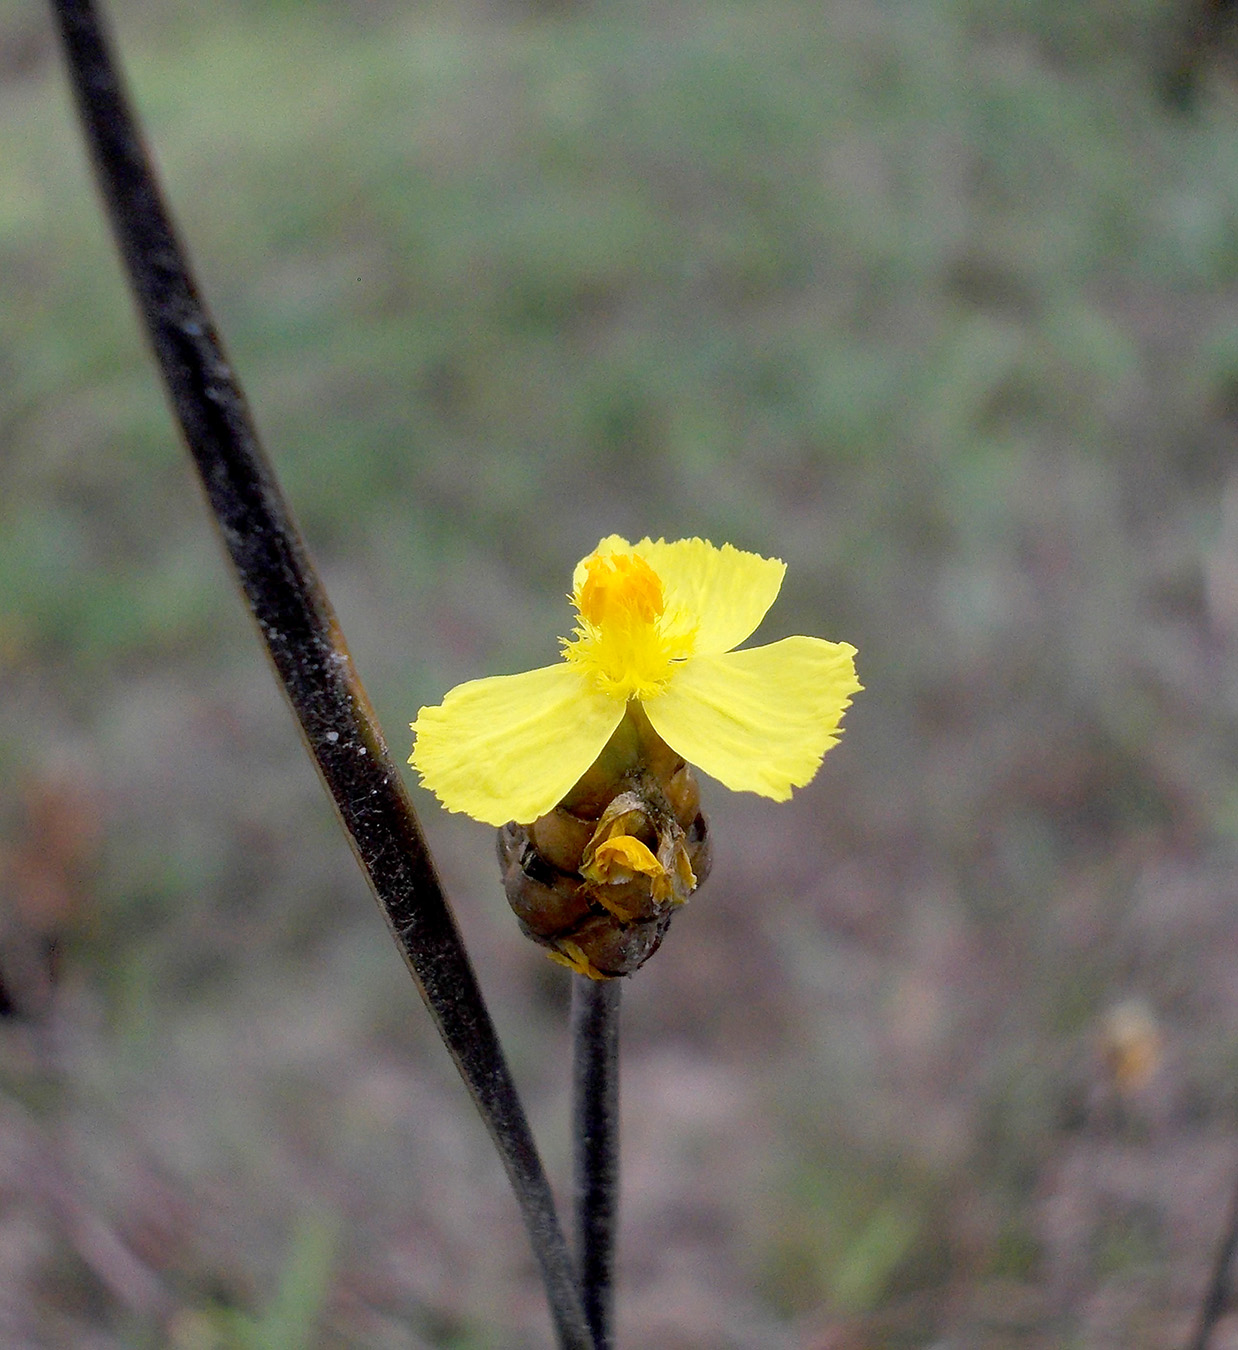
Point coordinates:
pixel 657 625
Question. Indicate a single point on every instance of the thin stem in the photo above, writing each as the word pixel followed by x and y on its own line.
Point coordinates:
pixel 1217 1294
pixel 1200 31
pixel 595 1130
pixel 303 639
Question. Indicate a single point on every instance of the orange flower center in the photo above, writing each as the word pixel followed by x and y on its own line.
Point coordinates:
pixel 620 640
pixel 620 588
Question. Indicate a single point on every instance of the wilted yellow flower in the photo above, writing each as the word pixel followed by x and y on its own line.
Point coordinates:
pixel 1131 1044
pixel 657 626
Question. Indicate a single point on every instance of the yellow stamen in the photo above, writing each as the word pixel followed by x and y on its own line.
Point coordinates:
pixel 620 640
pixel 620 588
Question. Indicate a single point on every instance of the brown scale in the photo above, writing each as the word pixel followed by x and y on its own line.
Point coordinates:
pixel 569 876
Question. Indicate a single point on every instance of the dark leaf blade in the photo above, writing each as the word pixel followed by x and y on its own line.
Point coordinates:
pixel 303 639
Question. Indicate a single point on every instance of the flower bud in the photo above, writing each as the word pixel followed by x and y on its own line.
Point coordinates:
pixel 597 879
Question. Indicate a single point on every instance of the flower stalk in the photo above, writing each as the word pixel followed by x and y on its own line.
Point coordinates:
pixel 595 1145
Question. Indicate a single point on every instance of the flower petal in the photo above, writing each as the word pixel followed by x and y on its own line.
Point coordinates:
pixel 722 593
pixel 613 543
pixel 509 747
pixel 758 720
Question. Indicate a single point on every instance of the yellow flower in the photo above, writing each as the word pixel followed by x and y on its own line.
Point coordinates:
pixel 657 626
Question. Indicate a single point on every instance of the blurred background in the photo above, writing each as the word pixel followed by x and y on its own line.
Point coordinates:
pixel 937 300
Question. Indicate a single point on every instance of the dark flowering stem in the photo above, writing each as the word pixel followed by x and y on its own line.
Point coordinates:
pixel 595 1141
pixel 1216 1296
pixel 303 640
